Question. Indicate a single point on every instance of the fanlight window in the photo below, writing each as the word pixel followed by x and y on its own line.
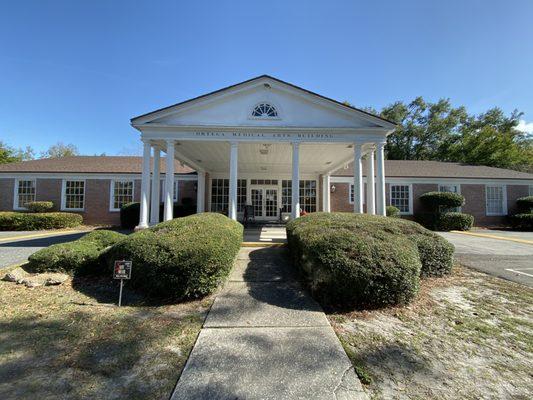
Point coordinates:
pixel 264 110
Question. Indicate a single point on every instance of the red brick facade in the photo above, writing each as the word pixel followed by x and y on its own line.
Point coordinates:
pixel 97 197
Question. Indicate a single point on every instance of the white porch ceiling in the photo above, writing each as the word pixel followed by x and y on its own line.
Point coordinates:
pixel 275 158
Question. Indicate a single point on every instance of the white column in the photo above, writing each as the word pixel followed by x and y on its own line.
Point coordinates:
pixel 145 187
pixel 380 178
pixel 326 182
pixel 295 180
pixel 357 179
pixel 154 211
pixel 370 183
pixel 233 165
pixel 200 192
pixel 328 193
pixel 169 182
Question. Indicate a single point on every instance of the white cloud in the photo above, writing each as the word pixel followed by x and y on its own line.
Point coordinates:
pixel 525 126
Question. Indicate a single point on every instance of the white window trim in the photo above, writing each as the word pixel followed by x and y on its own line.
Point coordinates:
pixel 458 185
pixel 64 194
pixel 112 192
pixel 410 186
pixel 16 192
pixel 504 200
pixel 276 106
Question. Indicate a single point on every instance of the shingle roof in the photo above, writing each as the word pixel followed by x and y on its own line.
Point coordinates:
pixel 89 165
pixel 133 165
pixel 437 169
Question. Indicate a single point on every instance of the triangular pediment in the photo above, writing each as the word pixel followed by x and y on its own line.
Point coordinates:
pixel 234 106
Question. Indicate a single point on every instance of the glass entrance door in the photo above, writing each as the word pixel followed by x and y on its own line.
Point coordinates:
pixel 265 203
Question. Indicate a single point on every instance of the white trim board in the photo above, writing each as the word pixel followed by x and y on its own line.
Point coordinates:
pixel 435 181
pixel 77 176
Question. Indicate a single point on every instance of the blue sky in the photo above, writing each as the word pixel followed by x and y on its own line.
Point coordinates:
pixel 77 71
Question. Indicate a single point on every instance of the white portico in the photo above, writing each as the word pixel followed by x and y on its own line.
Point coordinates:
pixel 263 143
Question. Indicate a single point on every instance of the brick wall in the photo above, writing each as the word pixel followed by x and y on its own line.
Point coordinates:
pixel 49 190
pixel 7 187
pixel 97 197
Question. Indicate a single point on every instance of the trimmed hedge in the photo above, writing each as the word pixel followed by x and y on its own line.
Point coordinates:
pixel 392 211
pixel 182 258
pixel 39 206
pixel 363 260
pixel 129 213
pixel 436 201
pixel 79 256
pixel 457 221
pixel 22 221
pixel 522 222
pixel 525 204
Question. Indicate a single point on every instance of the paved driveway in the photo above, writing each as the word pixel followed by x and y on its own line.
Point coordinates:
pixel 508 255
pixel 15 247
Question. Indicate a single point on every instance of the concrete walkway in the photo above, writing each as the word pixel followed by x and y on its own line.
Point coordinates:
pixel 266 338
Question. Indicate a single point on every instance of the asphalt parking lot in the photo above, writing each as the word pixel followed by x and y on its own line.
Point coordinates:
pixel 504 254
pixel 16 247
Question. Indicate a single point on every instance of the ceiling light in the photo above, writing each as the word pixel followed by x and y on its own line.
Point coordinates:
pixel 263 152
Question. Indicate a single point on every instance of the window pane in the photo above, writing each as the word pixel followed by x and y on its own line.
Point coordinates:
pixel 25 192
pixel 494 195
pixel 74 195
pixel 122 193
pixel 400 197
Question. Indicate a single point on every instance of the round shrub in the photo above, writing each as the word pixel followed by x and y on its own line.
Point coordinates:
pixel 182 258
pixel 351 260
pixel 39 206
pixel 522 222
pixel 454 221
pixel 392 211
pixel 436 201
pixel 79 256
pixel 525 204
pixel 21 221
pixel 436 254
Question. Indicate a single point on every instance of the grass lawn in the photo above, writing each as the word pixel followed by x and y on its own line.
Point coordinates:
pixel 65 342
pixel 467 336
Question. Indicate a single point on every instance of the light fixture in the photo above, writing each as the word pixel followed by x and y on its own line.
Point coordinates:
pixel 263 152
pixel 332 189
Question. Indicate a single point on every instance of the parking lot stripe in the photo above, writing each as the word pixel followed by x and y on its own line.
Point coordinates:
pixel 519 272
pixel 510 239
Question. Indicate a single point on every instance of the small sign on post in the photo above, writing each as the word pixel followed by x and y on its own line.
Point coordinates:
pixel 121 271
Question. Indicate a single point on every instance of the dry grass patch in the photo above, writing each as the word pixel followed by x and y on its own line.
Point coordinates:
pixel 467 336
pixel 65 342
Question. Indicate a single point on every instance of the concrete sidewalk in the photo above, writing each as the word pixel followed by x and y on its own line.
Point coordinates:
pixel 266 338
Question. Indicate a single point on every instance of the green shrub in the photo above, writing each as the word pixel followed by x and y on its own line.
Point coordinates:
pixel 79 256
pixel 522 222
pixel 356 260
pixel 129 213
pixel 457 221
pixel 182 258
pixel 525 204
pixel 21 221
pixel 436 254
pixel 39 206
pixel 441 201
pixel 392 211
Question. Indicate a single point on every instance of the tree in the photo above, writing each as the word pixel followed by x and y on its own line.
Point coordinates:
pixel 60 150
pixel 9 154
pixel 438 131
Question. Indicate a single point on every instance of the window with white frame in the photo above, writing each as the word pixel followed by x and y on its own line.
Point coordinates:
pixel 400 197
pixel 121 193
pixel 220 195
pixel 495 200
pixel 451 188
pixel 73 195
pixel 264 110
pixel 25 192
pixel 307 195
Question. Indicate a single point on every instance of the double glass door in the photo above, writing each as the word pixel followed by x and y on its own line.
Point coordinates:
pixel 265 203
